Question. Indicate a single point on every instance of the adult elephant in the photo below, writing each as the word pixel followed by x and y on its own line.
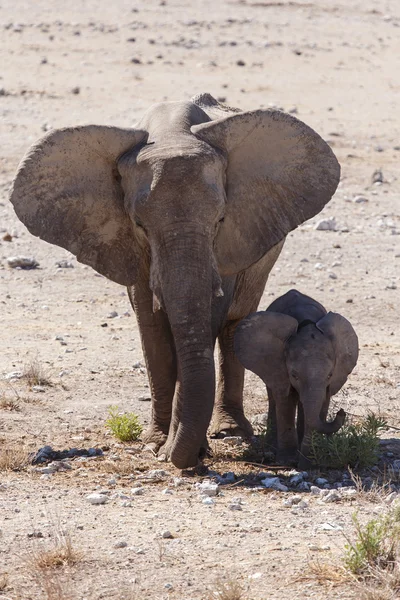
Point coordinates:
pixel 189 209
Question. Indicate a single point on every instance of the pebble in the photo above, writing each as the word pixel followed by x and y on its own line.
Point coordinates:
pixel 296 479
pixel 377 176
pixel 332 496
pixel 112 315
pixel 330 527
pixel 208 488
pixel 208 501
pixel 38 388
pixel 64 264
pixel 22 262
pixel 260 419
pixel 227 478
pixel 315 490
pixel 274 483
pixel 137 491
pixel 389 499
pixel 121 544
pixel 233 440
pixel 97 498
pixel 360 199
pixel 304 486
pixel 167 535
pixel 328 224
pixel 167 491
pixel 321 481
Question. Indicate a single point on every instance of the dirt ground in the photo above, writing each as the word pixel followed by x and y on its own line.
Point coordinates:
pixel 336 65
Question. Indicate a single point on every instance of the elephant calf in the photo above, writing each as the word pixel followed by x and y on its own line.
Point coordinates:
pixel 304 356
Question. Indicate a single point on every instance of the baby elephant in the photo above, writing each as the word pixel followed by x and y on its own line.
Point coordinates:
pixel 304 355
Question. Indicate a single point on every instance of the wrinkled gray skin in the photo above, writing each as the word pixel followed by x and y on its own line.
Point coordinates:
pixel 304 355
pixel 189 209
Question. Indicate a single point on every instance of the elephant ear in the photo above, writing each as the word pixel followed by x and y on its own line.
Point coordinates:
pixel 280 173
pixel 345 343
pixel 67 191
pixel 259 344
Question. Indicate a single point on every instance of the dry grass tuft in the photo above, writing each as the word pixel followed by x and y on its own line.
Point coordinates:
pixel 62 553
pixel 376 493
pixel 35 374
pixel 227 590
pixel 3 582
pixel 125 466
pixel 53 588
pixel 7 403
pixel 13 458
pixel 324 572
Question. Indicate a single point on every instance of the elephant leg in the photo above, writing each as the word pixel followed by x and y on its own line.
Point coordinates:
pixel 287 434
pixel 300 421
pixel 229 417
pixel 272 431
pixel 159 353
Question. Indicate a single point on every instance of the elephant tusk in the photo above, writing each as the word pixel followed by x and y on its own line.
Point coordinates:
pixel 219 293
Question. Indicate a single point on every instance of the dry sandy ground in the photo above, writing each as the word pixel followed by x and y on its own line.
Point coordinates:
pixel 337 64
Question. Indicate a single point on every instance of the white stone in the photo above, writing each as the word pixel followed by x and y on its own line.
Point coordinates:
pixel 121 544
pixel 167 491
pixel 360 199
pixel 137 491
pixel 328 224
pixel 22 262
pixel 208 488
pixel 332 496
pixel 235 506
pixel 208 501
pixel 315 490
pixel 274 483
pixel 97 498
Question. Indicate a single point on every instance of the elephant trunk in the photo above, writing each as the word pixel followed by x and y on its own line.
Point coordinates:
pixel 186 282
pixel 312 401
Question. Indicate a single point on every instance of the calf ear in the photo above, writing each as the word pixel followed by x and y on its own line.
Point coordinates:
pixel 67 191
pixel 280 173
pixel 259 344
pixel 345 343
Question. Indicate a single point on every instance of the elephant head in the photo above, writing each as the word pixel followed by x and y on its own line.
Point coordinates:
pixel 192 198
pixel 314 359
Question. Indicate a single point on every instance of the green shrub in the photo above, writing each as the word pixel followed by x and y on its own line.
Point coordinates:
pixel 125 427
pixel 355 445
pixel 375 546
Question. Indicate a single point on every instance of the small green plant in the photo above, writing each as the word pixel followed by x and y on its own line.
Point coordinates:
pixel 355 445
pixel 376 544
pixel 125 427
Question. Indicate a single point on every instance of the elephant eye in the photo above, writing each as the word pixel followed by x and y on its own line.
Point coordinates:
pixel 330 375
pixel 221 220
pixel 138 224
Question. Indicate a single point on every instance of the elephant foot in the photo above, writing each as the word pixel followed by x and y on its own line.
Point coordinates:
pixel 164 453
pixel 287 457
pixel 226 425
pixel 154 438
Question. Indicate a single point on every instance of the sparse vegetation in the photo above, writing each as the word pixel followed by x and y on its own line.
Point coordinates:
pixel 3 582
pixel 7 403
pixel 376 544
pixel 355 445
pixel 227 590
pixel 13 458
pixel 61 553
pixel 125 427
pixel 35 374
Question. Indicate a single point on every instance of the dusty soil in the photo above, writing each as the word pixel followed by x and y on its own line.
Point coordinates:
pixel 336 64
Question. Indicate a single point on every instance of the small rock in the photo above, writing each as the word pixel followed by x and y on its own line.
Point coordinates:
pixel 97 498
pixel 121 544
pixel 328 224
pixel 76 90
pixel 315 490
pixel 208 501
pixel 137 491
pixel 35 534
pixel 332 496
pixel 240 63
pixel 64 264
pixel 22 262
pixel 274 483
pixel 136 61
pixel 38 388
pixel 296 479
pixel 7 237
pixel 112 315
pixel 389 499
pixel 167 535
pixel 208 488
pixel 167 491
pixel 304 486
pixel 260 419
pixel 112 482
pixel 144 398
pixel 233 440
pixel 360 199
pixel 235 506
pixel 330 527
pixel 320 481
pixel 377 176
